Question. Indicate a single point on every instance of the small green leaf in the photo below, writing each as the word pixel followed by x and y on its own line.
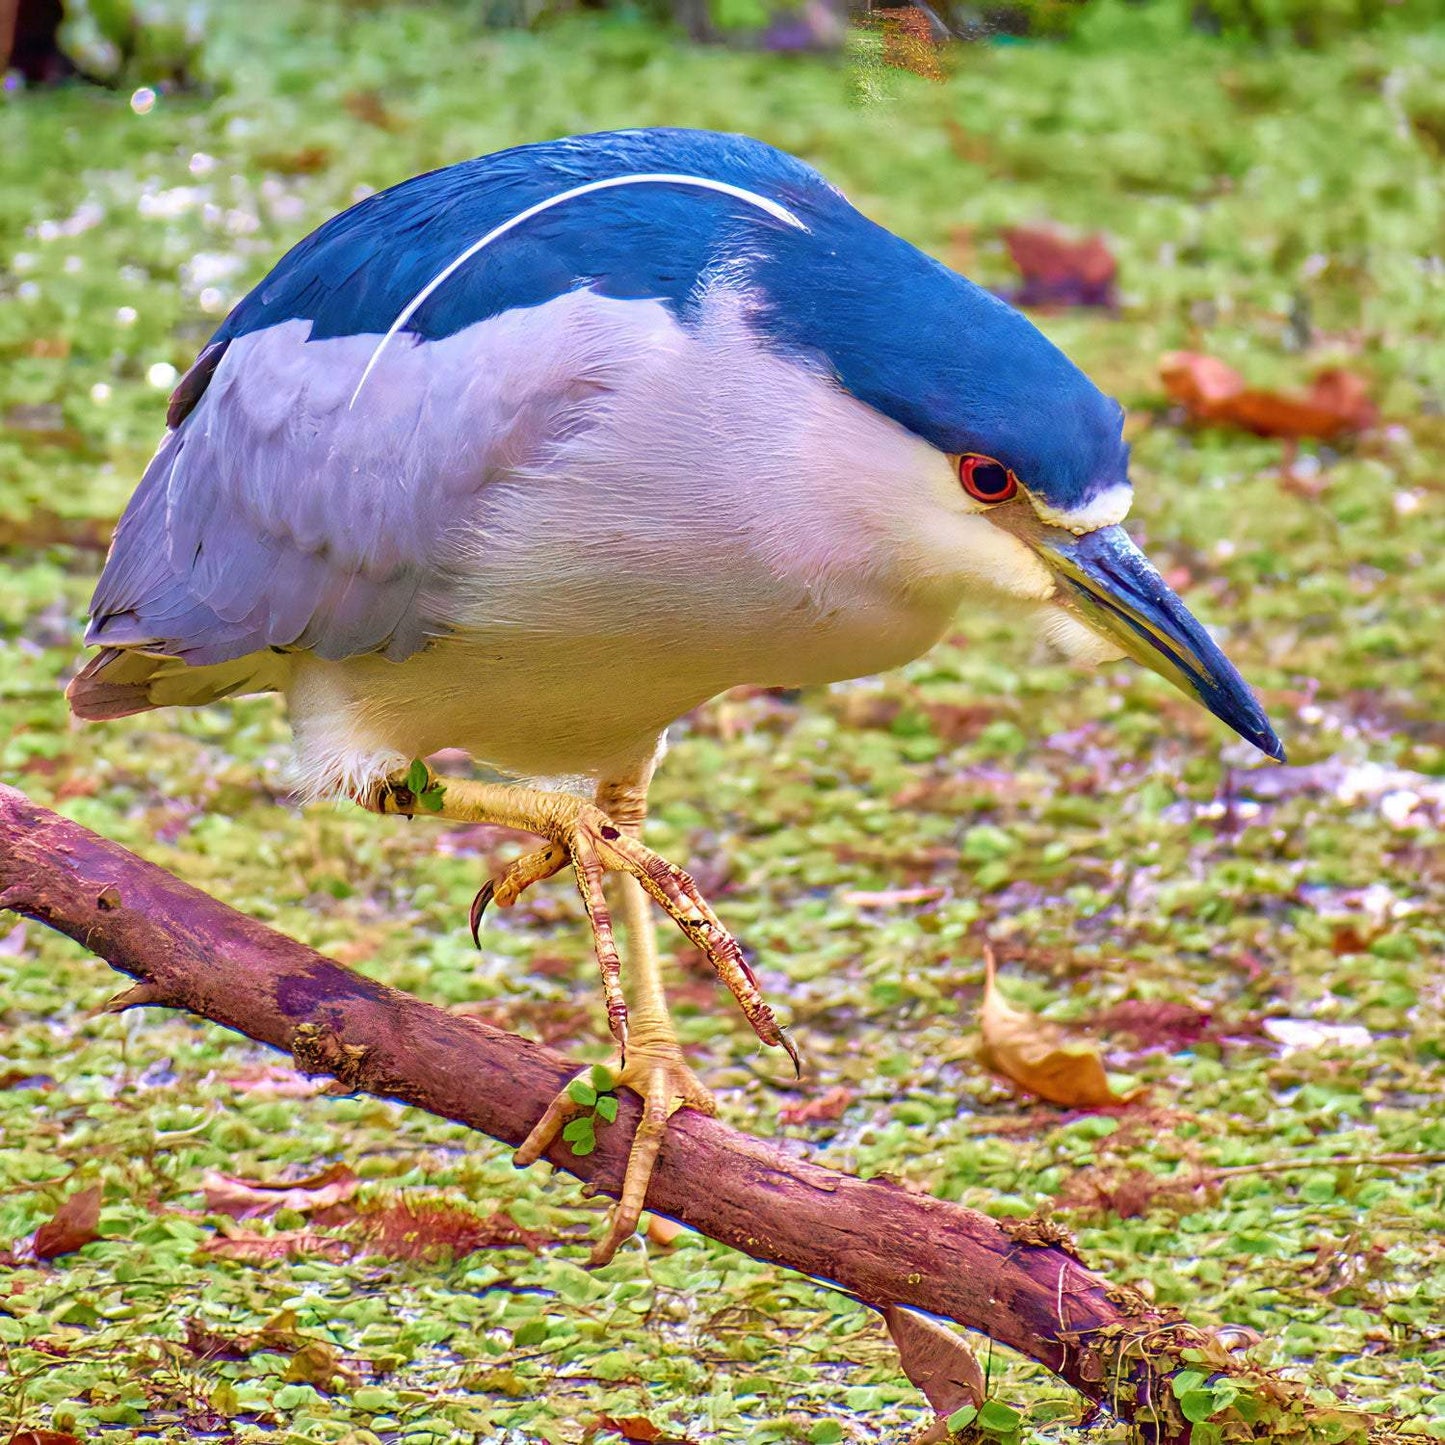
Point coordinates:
pixel 607 1108
pixel 583 1147
pixel 826 1432
pixel 1197 1405
pixel 999 1418
pixel 431 800
pixel 1185 1381
pixel 576 1128
pixel 531 1333
pixel 582 1093
pixel 1225 1393
pixel 962 1417
pixel 372 1398
pixel 418 775
pixel 602 1079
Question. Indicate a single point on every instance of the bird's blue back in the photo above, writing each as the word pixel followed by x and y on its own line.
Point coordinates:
pixel 900 331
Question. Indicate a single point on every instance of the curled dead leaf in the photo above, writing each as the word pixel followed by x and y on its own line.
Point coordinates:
pixel 74 1225
pixel 828 1107
pixel 936 1360
pixel 255 1198
pixel 1215 394
pixel 1033 1053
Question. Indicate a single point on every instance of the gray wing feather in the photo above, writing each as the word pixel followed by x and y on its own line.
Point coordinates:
pixel 278 516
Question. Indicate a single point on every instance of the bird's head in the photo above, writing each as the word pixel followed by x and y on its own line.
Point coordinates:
pixel 1096 595
pixel 1032 484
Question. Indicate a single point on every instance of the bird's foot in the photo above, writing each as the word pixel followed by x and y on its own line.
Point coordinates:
pixel 655 1071
pixel 581 832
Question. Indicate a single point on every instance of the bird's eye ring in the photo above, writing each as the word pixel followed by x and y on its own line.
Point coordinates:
pixel 986 480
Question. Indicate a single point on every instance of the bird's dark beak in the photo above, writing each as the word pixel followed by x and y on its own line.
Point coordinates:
pixel 1113 587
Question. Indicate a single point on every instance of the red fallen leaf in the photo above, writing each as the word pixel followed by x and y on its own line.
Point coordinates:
pixel 1214 393
pixel 1060 270
pixel 248 1248
pixel 830 1106
pixel 637 1430
pixel 254 1198
pixel 908 40
pixel 43 1437
pixel 407 1229
pixel 1346 394
pixel 75 1224
pixel 1202 385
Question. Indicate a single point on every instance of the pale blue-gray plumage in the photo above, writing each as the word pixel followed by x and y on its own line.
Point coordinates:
pixel 480 487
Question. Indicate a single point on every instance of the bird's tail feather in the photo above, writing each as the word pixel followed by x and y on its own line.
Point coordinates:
pixel 118 682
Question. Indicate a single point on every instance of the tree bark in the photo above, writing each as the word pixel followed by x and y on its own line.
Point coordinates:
pixel 1020 1283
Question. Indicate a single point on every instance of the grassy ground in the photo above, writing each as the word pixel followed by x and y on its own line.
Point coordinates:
pixel 1135 872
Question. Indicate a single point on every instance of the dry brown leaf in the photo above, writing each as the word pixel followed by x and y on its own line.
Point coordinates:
pixel 254 1198
pixel 937 1361
pixel 662 1231
pixel 75 1224
pixel 407 1229
pixel 1060 270
pixel 1215 394
pixel 826 1107
pixel 1033 1053
pixel 635 1429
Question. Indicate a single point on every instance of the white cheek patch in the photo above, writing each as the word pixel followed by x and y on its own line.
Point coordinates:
pixel 998 562
pixel 1106 510
pixel 1074 641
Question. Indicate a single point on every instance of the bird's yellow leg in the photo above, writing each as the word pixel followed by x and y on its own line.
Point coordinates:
pixel 581 831
pixel 652 1067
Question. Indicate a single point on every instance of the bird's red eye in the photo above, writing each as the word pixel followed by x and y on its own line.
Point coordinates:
pixel 986 480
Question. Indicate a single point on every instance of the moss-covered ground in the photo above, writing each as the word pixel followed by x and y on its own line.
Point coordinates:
pixel 1138 874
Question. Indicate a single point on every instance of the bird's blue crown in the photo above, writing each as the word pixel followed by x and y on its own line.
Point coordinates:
pixel 897 329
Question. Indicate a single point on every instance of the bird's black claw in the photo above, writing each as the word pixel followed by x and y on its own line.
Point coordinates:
pixel 479 907
pixel 791 1049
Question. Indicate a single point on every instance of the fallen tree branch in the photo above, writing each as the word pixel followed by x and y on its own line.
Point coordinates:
pixel 1019 1283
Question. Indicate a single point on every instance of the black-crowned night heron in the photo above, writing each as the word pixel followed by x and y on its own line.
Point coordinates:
pixel 533 454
